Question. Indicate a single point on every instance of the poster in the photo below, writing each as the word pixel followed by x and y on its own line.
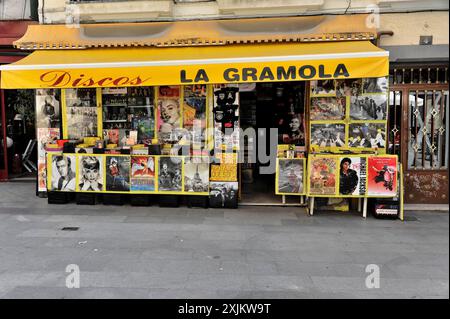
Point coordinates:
pixel 63 173
pixel 323 87
pixel 145 128
pixel 48 110
pixel 327 109
pixel 44 136
pixel 168 115
pixel 382 176
pixel 90 173
pixel 375 85
pixel 118 173
pixel 294 133
pixel 368 107
pixel 223 194
pixel 327 135
pixel 224 172
pixel 170 173
pixel 348 87
pixel 367 135
pixel 226 116
pixel 81 113
pixel 196 175
pixel 290 176
pixel 322 176
pixel 352 176
pixel 143 173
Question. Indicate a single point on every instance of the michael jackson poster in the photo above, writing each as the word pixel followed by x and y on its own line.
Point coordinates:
pixel 352 176
pixel 382 176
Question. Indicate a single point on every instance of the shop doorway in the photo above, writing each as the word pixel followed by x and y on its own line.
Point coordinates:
pixel 266 106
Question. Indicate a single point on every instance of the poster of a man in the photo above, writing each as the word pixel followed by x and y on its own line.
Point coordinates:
pixel 118 173
pixel 63 173
pixel 91 174
pixel 47 109
pixel 170 178
pixel 348 177
pixel 375 85
pixel 368 107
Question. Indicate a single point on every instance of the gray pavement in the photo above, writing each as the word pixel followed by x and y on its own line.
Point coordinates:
pixel 252 252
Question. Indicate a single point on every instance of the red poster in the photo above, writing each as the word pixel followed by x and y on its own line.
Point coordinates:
pixel 382 176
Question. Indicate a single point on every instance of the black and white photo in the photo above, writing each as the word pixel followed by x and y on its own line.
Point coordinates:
pixel 223 194
pixel 328 135
pixel 170 173
pixel 375 85
pixel 368 107
pixel 367 135
pixel 90 174
pixel 290 176
pixel 63 173
pixel 196 175
pixel 47 108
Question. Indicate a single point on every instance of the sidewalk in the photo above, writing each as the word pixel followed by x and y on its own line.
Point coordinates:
pixel 251 252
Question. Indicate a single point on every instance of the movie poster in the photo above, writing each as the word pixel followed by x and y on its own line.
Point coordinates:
pixel 322 176
pixel 352 176
pixel 118 173
pixel 382 176
pixel 290 174
pixel 48 110
pixel 368 107
pixel 367 135
pixel 63 176
pixel 170 174
pixel 327 135
pixel 223 194
pixel 90 173
pixel 142 173
pixel 327 109
pixel 226 116
pixel 44 136
pixel 168 115
pixel 81 116
pixel 196 175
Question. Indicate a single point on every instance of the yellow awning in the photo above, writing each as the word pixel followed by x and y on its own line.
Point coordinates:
pixel 113 67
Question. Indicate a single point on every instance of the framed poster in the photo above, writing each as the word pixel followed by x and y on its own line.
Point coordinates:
pixel 375 85
pixel 80 118
pixel 223 172
pixel 327 109
pixel 323 87
pixel 143 173
pixel 196 175
pixel 322 177
pixel 367 135
pixel 169 117
pixel 44 136
pixel 348 87
pixel 90 173
pixel 352 176
pixel 62 172
pixel 290 176
pixel 368 107
pixel 382 176
pixel 117 173
pixel 48 110
pixel 327 135
pixel 223 194
pixel 170 174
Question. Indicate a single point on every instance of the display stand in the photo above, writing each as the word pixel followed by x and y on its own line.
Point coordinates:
pixel 86 198
pixel 364 209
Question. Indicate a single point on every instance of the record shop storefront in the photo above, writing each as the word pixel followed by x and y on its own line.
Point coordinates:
pixel 208 120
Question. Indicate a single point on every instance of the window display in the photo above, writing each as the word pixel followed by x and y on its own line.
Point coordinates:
pixel 81 113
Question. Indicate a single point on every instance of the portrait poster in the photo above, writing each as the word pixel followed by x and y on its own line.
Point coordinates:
pixel 367 135
pixel 44 136
pixel 48 109
pixel 375 85
pixel 196 175
pixel 322 176
pixel 290 176
pixel 63 173
pixel 117 173
pixel 368 107
pixel 327 135
pixel 143 173
pixel 170 176
pixel 382 176
pixel 323 87
pixel 348 87
pixel 327 109
pixel 81 113
pixel 352 176
pixel 294 131
pixel 90 173
pixel 168 114
pixel 223 194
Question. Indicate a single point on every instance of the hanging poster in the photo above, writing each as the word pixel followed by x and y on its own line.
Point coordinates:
pixel 196 175
pixel 323 87
pixel 367 135
pixel 142 173
pixel 290 176
pixel 170 173
pixel 327 135
pixel 63 173
pixel 48 111
pixel 348 87
pixel 353 176
pixel 382 176
pixel 375 85
pixel 223 172
pixel 194 107
pixel 327 109
pixel 223 194
pixel 322 176
pixel 44 136
pixel 90 173
pixel 118 173
pixel 81 113
pixel 168 115
pixel 368 107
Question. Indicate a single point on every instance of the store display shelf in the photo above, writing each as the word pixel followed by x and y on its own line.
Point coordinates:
pixel 109 105
pixel 115 121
